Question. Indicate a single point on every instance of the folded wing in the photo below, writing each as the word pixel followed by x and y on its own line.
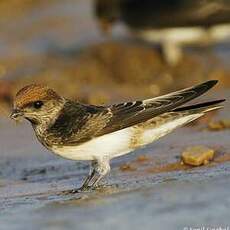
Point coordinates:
pixel 124 115
pixel 97 121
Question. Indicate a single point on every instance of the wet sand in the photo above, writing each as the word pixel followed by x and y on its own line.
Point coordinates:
pixel 153 188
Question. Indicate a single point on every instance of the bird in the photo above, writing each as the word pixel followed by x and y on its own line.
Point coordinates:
pixel 171 23
pixel 97 134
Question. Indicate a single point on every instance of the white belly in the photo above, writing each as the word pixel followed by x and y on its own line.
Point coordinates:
pixel 111 145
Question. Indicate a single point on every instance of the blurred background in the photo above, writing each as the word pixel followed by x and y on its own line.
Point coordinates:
pixel 102 52
pixel 135 48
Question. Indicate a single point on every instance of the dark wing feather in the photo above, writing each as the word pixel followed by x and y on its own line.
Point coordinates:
pixel 131 113
pixel 76 124
pixel 79 123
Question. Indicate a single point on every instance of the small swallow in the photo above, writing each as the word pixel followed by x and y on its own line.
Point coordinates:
pixel 98 134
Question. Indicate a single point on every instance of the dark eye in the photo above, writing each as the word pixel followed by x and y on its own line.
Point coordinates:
pixel 37 104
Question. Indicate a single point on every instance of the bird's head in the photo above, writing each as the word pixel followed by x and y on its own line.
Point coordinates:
pixel 36 103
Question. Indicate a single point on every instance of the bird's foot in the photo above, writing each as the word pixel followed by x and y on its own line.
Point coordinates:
pixel 78 190
pixel 84 188
pixel 71 191
pixel 88 188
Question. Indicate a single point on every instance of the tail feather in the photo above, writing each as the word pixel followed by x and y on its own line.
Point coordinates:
pixel 201 107
pixel 131 113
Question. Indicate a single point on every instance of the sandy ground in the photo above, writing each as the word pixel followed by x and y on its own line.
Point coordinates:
pixel 154 190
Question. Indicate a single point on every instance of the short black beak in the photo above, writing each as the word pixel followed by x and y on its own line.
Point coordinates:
pixel 15 114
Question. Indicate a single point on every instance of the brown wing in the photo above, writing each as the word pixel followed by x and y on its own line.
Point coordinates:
pixel 76 123
pixel 80 123
pixel 131 113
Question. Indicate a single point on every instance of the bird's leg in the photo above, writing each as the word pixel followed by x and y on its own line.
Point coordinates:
pixel 99 168
pixel 102 168
pixel 92 172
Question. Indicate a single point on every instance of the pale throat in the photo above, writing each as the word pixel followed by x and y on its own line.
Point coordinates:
pixel 48 118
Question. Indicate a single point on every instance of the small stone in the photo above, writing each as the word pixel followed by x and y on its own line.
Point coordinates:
pixel 219 125
pixel 197 155
pixel 142 158
pixel 225 123
pixel 127 167
pixel 215 126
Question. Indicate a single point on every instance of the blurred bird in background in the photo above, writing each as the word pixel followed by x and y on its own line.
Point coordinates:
pixel 170 23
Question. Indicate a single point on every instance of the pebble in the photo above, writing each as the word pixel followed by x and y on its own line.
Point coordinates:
pixel 197 155
pixel 219 125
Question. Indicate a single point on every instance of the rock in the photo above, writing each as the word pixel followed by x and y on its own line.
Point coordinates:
pixel 142 158
pixel 215 126
pixel 225 123
pixel 219 125
pixel 5 91
pixel 197 155
pixel 127 167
